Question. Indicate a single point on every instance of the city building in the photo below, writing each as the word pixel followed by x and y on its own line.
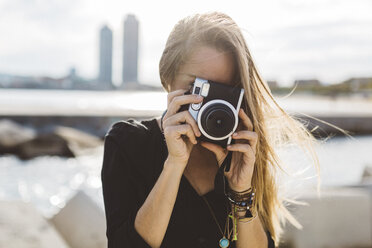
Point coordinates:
pixel 358 83
pixel 130 51
pixel 307 82
pixel 272 84
pixel 105 56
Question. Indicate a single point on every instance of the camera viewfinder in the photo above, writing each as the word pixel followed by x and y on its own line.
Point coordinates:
pixel 197 90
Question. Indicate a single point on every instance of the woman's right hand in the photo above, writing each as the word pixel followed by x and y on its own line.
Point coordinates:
pixel 180 129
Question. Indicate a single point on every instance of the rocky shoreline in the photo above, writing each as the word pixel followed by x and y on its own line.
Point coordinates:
pixel 80 224
pixel 27 143
pixel 340 218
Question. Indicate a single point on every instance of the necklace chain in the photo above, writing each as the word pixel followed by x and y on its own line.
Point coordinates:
pixel 227 220
pixel 227 223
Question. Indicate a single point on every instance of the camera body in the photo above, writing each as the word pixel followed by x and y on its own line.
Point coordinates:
pixel 217 115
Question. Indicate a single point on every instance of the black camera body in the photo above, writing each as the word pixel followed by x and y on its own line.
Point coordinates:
pixel 217 115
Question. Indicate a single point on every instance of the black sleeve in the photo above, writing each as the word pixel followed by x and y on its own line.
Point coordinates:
pixel 121 192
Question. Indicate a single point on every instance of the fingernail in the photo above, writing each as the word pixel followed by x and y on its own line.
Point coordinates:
pixel 234 134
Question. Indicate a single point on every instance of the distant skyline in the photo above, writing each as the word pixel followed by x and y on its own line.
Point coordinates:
pixel 130 47
pixel 105 55
pixel 289 39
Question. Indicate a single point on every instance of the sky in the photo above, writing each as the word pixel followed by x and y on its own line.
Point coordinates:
pixel 330 40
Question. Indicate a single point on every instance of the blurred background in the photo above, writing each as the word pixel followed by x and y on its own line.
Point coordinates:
pixel 70 69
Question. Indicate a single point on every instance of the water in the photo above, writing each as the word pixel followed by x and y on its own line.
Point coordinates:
pixel 49 181
pixel 81 102
pixel 342 161
pixel 117 103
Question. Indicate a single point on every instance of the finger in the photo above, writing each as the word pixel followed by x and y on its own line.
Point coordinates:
pixel 186 129
pixel 248 135
pixel 246 121
pixel 180 118
pixel 234 166
pixel 177 132
pixel 173 94
pixel 177 101
pixel 244 148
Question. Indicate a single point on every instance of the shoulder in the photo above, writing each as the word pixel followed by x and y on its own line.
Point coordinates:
pixel 130 147
pixel 132 134
pixel 123 129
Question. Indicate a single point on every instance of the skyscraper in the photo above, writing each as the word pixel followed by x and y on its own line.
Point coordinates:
pixel 130 50
pixel 105 56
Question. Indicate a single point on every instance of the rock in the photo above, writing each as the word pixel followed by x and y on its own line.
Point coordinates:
pixel 22 226
pixel 78 141
pixel 12 134
pixel 341 217
pixel 82 223
pixel 45 144
pixel 367 174
pixel 63 141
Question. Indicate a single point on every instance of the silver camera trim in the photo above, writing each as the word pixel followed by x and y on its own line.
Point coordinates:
pixel 195 110
pixel 214 102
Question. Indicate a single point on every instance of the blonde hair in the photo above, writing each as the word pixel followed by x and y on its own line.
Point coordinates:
pixel 273 125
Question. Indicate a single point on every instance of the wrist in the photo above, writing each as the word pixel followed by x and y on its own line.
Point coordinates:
pixel 175 164
pixel 238 213
pixel 242 200
pixel 246 215
pixel 240 189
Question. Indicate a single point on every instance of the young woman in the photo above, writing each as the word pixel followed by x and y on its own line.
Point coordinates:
pixel 162 188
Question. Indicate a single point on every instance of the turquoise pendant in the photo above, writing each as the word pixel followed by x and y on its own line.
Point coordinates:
pixel 224 242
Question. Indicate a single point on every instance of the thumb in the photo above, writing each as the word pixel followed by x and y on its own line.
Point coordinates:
pixel 217 150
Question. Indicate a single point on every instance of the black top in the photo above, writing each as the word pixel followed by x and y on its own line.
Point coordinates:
pixel 134 155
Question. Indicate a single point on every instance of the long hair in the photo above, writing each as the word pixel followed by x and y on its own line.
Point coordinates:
pixel 275 127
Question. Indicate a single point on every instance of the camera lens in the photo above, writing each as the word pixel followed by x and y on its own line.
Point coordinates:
pixel 218 120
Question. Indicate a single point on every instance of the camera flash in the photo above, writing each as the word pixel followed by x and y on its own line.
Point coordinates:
pixel 205 90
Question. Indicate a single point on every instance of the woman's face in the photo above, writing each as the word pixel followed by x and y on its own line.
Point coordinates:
pixel 207 63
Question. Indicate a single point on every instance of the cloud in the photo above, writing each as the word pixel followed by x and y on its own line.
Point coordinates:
pixel 331 50
pixel 44 37
pixel 330 39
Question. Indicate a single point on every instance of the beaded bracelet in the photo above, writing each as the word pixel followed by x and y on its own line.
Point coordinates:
pixel 235 200
pixel 241 201
pixel 241 192
pixel 240 195
pixel 246 196
pixel 244 203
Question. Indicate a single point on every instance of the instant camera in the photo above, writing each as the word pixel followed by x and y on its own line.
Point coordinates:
pixel 217 115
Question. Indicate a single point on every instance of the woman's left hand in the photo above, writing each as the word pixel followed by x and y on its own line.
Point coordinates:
pixel 240 175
